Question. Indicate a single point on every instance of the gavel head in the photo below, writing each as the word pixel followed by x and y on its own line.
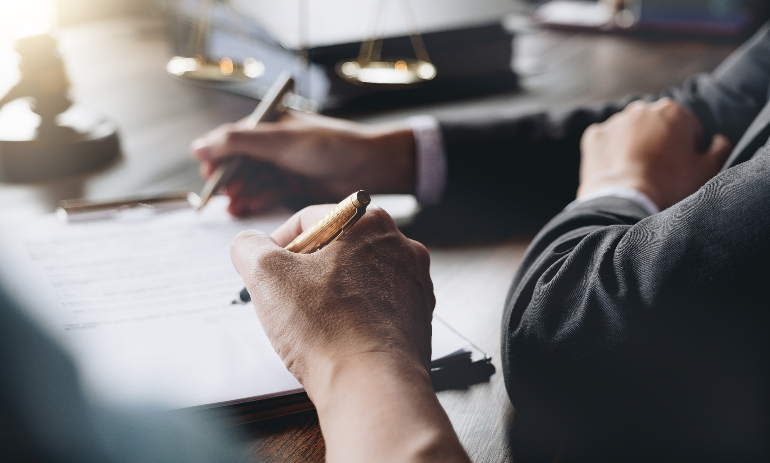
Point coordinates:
pixel 43 76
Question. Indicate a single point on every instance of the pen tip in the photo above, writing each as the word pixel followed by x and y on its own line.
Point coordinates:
pixel 201 205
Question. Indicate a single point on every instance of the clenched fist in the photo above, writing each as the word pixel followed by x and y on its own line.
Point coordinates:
pixel 654 148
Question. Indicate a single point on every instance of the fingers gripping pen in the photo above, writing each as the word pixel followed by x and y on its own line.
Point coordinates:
pixel 330 227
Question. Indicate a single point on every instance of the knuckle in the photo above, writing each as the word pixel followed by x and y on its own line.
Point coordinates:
pixel 380 218
pixel 431 299
pixel 268 266
pixel 244 237
pixel 259 259
pixel 231 136
pixel 271 259
pixel 591 134
pixel 680 113
pixel 670 109
pixel 593 130
pixel 637 105
pixel 422 253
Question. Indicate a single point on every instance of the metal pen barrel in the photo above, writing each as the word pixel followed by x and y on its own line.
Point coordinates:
pixel 330 227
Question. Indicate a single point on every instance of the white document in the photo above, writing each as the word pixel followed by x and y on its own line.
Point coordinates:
pixel 143 302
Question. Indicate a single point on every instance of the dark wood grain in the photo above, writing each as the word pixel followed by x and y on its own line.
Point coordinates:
pixel 285 439
pixel 117 66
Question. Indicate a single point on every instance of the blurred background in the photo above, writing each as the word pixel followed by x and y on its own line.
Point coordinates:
pixel 162 72
pixel 470 43
pixel 155 74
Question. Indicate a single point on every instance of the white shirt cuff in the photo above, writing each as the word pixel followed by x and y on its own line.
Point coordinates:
pixel 430 160
pixel 635 196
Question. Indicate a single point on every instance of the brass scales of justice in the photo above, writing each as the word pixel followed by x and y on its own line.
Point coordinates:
pixel 368 68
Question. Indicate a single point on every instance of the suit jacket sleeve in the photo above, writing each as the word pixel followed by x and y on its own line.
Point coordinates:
pixel 652 327
pixel 728 99
pixel 527 166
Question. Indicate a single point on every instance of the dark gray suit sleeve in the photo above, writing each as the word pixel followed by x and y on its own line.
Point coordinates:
pixel 510 175
pixel 650 329
pixel 527 166
pixel 728 99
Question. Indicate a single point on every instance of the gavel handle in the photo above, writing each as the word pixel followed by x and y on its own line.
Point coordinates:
pixel 16 92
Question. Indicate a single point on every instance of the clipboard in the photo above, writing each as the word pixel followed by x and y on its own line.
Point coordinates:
pixel 454 367
pixel 75 210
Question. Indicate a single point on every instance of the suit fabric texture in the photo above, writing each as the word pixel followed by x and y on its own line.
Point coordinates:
pixel 623 331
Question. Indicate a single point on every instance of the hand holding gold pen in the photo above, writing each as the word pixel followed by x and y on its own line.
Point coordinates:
pixel 324 232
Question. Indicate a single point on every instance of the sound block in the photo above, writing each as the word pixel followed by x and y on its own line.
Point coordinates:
pixel 81 140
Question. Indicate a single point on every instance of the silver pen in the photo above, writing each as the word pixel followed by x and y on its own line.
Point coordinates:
pixel 267 110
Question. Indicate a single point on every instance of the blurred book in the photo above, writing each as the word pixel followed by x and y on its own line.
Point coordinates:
pixel 715 18
pixel 465 39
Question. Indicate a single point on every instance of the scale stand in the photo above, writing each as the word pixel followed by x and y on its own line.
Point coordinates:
pixel 370 69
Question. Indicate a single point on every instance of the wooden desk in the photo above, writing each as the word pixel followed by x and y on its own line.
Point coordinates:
pixel 118 67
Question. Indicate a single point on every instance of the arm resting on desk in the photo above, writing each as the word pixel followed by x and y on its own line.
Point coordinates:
pixel 728 99
pixel 530 162
pixel 649 332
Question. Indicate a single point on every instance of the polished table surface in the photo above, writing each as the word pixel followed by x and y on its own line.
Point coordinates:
pixel 117 66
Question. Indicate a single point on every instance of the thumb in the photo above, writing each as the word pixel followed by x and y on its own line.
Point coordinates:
pixel 719 149
pixel 248 252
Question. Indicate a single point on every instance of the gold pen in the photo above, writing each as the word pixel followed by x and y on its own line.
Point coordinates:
pixel 267 110
pixel 324 232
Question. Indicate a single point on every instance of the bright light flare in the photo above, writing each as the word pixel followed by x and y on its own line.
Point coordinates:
pixel 178 65
pixel 16 16
pixel 426 71
pixel 253 68
pixel 226 66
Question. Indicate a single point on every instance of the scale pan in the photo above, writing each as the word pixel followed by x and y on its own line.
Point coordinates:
pixel 386 73
pixel 223 70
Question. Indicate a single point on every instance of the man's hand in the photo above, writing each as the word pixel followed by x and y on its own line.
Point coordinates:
pixel 655 148
pixel 369 292
pixel 352 322
pixel 304 159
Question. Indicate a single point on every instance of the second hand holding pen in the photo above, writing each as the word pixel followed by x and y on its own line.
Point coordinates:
pixel 267 110
pixel 324 232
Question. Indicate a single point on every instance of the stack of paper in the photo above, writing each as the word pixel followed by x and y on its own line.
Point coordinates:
pixel 143 302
